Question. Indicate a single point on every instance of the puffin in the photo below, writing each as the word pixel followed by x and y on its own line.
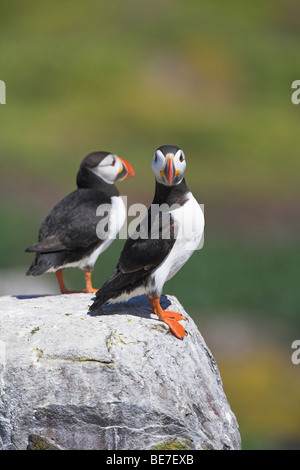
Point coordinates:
pixel 161 244
pixel 84 224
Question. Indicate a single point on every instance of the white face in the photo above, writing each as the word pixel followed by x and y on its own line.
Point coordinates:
pixel 169 169
pixel 109 169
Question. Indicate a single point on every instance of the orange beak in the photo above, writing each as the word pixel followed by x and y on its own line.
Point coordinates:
pixel 169 170
pixel 127 169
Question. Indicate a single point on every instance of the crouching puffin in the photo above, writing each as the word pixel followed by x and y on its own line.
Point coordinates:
pixel 71 236
pixel 157 250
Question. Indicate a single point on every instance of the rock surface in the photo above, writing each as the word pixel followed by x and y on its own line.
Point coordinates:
pixel 119 380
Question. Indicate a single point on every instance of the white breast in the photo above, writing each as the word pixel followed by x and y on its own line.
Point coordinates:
pixel 117 217
pixel 189 219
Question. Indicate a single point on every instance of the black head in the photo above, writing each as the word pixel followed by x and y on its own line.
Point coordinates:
pixel 166 149
pixel 169 165
pixel 99 167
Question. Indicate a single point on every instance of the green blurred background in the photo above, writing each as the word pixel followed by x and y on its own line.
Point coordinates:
pixel 215 79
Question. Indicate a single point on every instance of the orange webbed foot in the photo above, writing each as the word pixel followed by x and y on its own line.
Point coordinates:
pixel 175 327
pixel 89 291
pixel 174 315
pixel 170 318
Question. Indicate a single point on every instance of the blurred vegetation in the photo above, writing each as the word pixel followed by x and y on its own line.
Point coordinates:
pixel 212 77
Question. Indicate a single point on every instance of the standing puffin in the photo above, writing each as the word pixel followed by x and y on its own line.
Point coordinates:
pixel 70 235
pixel 151 257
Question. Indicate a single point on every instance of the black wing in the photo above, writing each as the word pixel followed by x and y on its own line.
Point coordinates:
pixel 72 223
pixel 139 257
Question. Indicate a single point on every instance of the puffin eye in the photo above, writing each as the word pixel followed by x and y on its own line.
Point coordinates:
pixel 155 157
pixel 113 161
pixel 181 158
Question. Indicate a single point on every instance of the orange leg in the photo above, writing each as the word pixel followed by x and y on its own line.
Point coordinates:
pixel 63 289
pixel 168 313
pixel 170 318
pixel 89 288
pixel 152 304
pixel 88 282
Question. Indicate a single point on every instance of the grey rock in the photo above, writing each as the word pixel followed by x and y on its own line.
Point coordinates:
pixel 117 380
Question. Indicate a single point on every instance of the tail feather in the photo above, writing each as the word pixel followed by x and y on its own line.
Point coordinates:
pixel 100 300
pixel 118 284
pixel 104 294
pixel 39 266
